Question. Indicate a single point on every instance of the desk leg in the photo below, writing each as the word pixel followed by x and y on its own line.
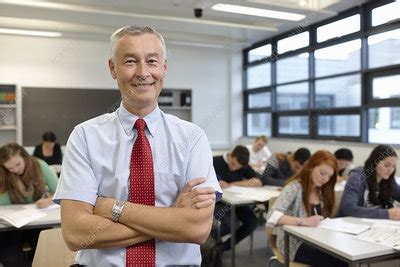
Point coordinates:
pixel 286 249
pixel 233 230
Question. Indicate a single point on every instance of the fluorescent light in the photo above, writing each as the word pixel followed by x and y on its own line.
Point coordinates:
pixel 258 12
pixel 30 32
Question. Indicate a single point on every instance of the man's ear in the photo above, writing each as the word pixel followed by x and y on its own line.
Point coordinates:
pixel 111 66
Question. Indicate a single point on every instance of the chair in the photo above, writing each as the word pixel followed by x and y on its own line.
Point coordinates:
pixel 272 239
pixel 52 251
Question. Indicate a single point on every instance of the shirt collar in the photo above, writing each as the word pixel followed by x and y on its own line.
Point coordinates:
pixel 225 157
pixel 128 120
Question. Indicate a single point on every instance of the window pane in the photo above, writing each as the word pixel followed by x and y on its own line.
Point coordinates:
pixel 260 100
pixel 338 92
pixel 386 87
pixel 259 124
pixel 339 58
pixel 259 53
pixel 385 13
pixel 384 125
pixel 339 125
pixel 292 68
pixel 259 76
pixel 338 28
pixel 293 125
pixel 384 49
pixel 292 96
pixel 293 42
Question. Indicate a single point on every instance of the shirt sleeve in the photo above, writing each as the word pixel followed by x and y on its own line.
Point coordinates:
pixel 248 172
pixel 200 162
pixel 352 203
pixel 49 176
pixel 77 180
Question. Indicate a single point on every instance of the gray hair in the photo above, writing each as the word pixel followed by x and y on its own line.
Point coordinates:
pixel 135 31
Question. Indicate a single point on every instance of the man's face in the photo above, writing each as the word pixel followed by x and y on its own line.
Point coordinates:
pixel 233 164
pixel 258 145
pixel 295 166
pixel 139 67
pixel 343 164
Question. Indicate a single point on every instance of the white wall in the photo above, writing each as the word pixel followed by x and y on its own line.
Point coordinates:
pixel 50 62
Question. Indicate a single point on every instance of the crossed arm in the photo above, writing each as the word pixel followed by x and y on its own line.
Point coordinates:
pixel 86 226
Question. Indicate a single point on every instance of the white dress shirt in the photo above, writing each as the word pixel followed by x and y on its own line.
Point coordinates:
pixel 97 160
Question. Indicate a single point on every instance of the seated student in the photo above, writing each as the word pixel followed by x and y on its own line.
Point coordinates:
pixel 370 192
pixel 49 150
pixel 23 179
pixel 282 166
pixel 304 201
pixel 232 169
pixel 344 158
pixel 259 153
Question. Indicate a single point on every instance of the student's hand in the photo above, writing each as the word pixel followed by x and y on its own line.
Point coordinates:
pixel 223 184
pixel 394 213
pixel 195 198
pixel 312 220
pixel 44 202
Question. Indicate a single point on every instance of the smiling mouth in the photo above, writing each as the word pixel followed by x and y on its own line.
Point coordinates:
pixel 143 85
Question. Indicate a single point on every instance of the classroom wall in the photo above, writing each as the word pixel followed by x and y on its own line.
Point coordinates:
pixel 54 62
pixel 360 151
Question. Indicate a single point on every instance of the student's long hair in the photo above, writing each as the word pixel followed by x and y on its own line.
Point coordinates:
pixel 327 190
pixel 32 178
pixel 386 186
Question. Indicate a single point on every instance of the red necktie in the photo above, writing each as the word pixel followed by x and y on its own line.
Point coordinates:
pixel 141 192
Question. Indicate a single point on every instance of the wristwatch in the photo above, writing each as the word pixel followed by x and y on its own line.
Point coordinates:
pixel 117 210
pixel 299 221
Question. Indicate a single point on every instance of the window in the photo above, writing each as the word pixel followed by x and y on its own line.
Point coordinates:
pixel 260 53
pixel 292 96
pixel 338 28
pixel 384 125
pixel 292 68
pixel 386 13
pixel 293 125
pixel 293 42
pixel 386 87
pixel 260 100
pixel 342 91
pixel 339 58
pixel 259 76
pixel 339 125
pixel 259 124
pixel 384 49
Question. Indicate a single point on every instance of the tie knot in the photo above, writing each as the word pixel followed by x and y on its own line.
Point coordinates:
pixel 140 125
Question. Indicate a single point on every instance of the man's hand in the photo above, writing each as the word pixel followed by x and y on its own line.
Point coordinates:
pixel 103 207
pixel 195 198
pixel 223 184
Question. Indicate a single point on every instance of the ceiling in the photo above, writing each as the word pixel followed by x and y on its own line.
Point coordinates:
pixel 97 19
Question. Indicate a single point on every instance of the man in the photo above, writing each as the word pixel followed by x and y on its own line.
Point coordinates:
pixel 126 189
pixel 259 153
pixel 344 158
pixel 232 169
pixel 282 166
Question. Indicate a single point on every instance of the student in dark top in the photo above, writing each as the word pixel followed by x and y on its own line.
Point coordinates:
pixel 344 158
pixel 233 169
pixel 282 166
pixel 49 150
pixel 371 191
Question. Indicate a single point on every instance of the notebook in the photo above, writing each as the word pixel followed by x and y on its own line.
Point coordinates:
pixel 22 217
pixel 382 234
pixel 340 225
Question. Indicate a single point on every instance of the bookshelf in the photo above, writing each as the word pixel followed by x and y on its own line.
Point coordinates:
pixel 9 114
pixel 177 102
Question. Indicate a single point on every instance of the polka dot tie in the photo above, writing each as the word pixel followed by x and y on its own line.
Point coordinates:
pixel 141 192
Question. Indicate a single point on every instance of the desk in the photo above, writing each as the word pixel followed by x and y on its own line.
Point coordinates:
pixel 339 245
pixel 53 219
pixel 244 198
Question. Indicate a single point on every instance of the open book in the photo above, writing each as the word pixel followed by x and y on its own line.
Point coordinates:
pixel 383 234
pixel 340 225
pixel 21 217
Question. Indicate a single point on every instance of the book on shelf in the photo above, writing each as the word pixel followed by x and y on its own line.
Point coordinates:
pixel 382 234
pixel 19 218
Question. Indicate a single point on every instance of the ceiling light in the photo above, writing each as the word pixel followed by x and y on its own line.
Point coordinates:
pixel 30 32
pixel 258 12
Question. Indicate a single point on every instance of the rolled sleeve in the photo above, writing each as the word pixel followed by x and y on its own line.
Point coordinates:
pixel 77 180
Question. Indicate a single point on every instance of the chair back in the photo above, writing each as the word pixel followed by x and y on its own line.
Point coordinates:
pixel 51 250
